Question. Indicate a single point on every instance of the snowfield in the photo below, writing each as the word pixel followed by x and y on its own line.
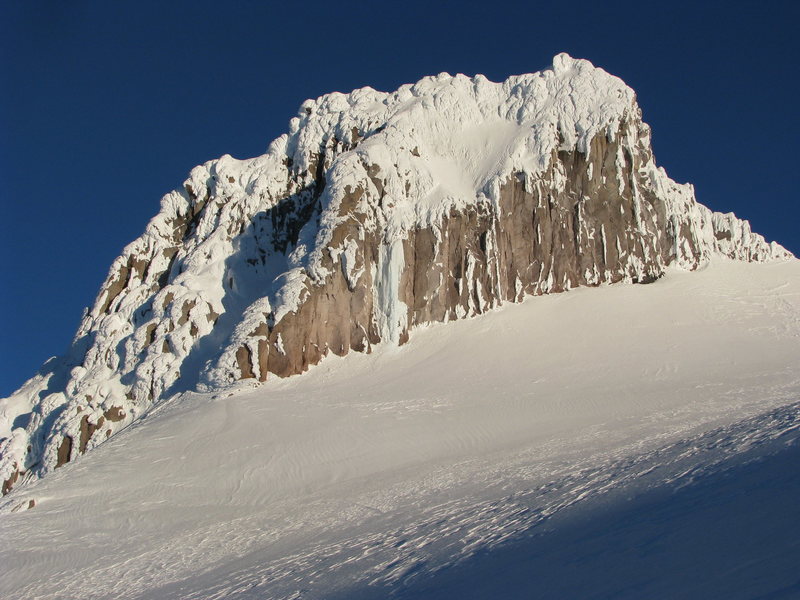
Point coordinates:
pixel 628 441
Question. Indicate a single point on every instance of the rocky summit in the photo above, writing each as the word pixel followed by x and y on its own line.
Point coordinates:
pixel 375 213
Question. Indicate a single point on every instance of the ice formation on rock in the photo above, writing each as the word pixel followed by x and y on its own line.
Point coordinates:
pixel 375 213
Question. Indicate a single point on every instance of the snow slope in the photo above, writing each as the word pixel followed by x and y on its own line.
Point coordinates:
pixel 387 473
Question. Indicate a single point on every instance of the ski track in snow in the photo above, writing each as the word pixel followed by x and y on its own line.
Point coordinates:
pixel 372 472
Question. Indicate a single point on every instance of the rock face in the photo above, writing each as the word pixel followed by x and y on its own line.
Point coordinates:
pixel 376 213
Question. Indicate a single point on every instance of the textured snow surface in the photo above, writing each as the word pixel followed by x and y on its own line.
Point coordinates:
pixel 181 301
pixel 375 474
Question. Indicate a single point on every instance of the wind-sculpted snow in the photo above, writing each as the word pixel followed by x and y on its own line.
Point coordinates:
pixel 376 213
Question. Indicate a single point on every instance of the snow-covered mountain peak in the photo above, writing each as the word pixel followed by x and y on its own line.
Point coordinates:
pixel 376 212
pixel 451 123
pixel 573 96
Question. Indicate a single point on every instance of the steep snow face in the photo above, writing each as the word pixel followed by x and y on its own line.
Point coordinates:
pixel 375 213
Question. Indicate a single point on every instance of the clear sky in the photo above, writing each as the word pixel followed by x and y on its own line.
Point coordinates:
pixel 106 106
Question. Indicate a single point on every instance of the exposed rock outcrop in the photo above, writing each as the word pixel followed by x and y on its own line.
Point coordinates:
pixel 376 213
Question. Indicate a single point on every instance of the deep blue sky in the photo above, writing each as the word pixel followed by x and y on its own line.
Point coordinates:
pixel 106 106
